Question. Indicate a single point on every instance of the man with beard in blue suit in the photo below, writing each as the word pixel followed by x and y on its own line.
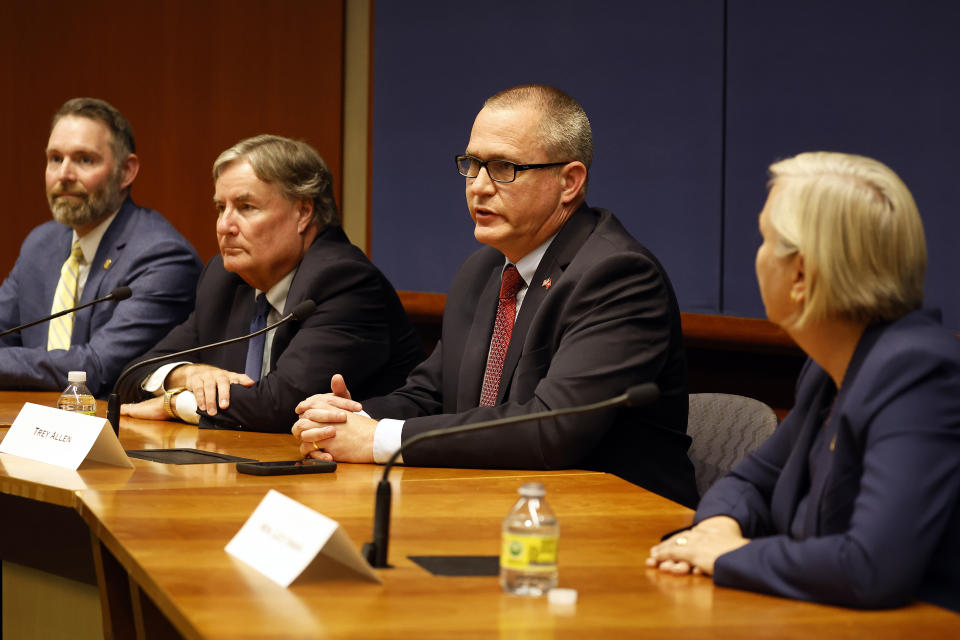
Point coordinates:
pixel 99 240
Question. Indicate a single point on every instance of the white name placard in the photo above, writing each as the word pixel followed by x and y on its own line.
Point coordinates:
pixel 63 438
pixel 282 538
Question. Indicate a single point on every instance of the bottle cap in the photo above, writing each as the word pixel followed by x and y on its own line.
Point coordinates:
pixel 532 490
pixel 77 376
pixel 562 597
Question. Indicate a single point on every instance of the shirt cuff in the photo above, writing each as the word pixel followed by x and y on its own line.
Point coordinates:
pixel 154 382
pixel 186 407
pixel 387 439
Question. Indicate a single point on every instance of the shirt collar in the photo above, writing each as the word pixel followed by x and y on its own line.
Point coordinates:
pixel 277 295
pixel 91 241
pixel 527 265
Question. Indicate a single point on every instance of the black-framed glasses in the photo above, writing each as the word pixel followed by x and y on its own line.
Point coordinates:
pixel 498 170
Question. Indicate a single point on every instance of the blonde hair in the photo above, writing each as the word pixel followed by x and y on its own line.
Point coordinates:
pixel 859 231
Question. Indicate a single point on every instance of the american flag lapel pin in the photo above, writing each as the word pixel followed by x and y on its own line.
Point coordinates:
pixel 546 283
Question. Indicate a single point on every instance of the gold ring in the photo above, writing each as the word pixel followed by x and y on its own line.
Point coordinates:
pixel 680 541
pixel 316 446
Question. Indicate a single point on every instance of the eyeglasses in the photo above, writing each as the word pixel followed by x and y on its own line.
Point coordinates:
pixel 498 170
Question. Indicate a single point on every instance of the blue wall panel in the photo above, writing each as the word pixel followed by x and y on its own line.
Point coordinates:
pixel 860 76
pixel 649 76
pixel 682 163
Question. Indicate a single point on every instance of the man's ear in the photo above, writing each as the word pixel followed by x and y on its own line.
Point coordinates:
pixel 572 178
pixel 129 169
pixel 305 215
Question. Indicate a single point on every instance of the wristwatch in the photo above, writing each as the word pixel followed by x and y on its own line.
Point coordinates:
pixel 168 404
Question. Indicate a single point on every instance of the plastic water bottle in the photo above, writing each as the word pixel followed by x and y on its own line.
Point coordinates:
pixel 528 552
pixel 76 397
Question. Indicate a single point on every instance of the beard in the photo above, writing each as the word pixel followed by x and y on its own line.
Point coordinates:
pixel 86 207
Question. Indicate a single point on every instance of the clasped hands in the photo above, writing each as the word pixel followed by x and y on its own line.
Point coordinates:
pixel 695 550
pixel 210 386
pixel 330 428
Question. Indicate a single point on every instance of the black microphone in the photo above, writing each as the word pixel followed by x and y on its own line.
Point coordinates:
pixel 298 314
pixel 376 551
pixel 118 294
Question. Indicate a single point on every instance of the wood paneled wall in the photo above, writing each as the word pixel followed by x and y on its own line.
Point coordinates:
pixel 193 78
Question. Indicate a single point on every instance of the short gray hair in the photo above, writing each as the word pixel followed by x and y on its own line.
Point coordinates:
pixel 293 167
pixel 859 231
pixel 564 128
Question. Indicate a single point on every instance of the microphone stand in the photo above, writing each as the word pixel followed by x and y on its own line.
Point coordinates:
pixel 300 312
pixel 118 294
pixel 375 552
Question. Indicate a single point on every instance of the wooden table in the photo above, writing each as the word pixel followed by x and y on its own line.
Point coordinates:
pixel 157 533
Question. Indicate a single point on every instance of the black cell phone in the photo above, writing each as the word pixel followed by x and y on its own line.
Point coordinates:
pixel 286 467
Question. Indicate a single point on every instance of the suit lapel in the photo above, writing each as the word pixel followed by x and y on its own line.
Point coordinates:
pixel 477 344
pixel 108 252
pixel 234 357
pixel 296 295
pixel 536 292
pixel 794 479
pixel 558 256
pixel 831 425
pixel 794 482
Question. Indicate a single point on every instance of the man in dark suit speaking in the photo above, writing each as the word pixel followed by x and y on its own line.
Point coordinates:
pixel 562 308
pixel 98 240
pixel 280 244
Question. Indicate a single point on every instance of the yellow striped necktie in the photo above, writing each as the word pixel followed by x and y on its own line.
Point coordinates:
pixel 65 298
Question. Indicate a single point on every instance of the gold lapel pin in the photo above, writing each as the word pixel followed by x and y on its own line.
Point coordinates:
pixel 107 263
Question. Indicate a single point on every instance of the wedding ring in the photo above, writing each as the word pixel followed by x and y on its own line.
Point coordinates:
pixel 680 540
pixel 316 446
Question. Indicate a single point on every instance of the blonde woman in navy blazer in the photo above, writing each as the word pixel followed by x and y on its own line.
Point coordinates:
pixel 853 501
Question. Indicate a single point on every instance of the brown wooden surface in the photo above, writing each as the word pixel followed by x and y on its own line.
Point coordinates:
pixel 167 527
pixel 606 526
pixel 732 332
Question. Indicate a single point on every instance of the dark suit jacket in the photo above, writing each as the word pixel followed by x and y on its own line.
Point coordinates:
pixel 880 523
pixel 141 250
pixel 359 329
pixel 608 320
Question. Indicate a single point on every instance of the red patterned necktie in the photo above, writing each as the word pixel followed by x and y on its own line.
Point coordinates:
pixel 510 284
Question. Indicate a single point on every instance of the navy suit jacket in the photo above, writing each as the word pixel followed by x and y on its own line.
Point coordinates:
pixel 880 523
pixel 599 317
pixel 359 329
pixel 141 250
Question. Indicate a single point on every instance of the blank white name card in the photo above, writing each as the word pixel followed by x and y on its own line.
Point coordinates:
pixel 63 438
pixel 282 538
